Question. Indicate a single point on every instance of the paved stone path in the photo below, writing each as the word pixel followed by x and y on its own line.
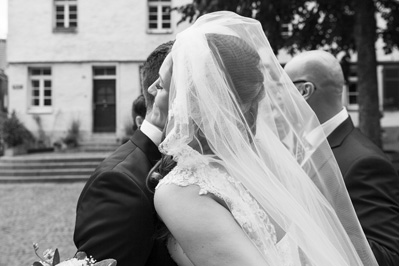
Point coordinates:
pixel 36 212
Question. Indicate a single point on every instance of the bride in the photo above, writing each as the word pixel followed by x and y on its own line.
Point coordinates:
pixel 255 182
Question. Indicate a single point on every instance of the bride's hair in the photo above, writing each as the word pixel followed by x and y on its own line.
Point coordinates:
pixel 160 169
pixel 240 63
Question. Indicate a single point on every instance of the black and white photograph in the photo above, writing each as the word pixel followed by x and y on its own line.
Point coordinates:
pixel 199 133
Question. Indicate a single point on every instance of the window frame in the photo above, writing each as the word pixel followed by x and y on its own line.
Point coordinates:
pixel 67 21
pixel 41 78
pixel 286 30
pixel 159 4
pixel 352 81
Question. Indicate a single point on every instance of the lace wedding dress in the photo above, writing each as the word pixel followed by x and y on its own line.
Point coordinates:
pixel 255 222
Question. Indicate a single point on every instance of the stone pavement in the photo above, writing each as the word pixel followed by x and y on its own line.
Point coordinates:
pixel 36 212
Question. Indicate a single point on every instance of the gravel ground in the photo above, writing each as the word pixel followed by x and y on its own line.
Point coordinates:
pixel 40 212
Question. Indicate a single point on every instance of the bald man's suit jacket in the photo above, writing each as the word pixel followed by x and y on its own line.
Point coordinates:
pixel 115 215
pixel 373 186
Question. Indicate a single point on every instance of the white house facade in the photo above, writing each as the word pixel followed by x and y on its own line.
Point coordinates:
pixel 79 61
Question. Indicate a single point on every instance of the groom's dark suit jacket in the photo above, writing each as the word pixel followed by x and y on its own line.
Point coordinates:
pixel 373 186
pixel 115 215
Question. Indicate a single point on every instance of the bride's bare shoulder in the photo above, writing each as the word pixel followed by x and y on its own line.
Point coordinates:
pixel 205 229
pixel 173 199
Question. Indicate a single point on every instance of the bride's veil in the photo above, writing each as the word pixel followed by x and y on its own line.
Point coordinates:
pixel 227 86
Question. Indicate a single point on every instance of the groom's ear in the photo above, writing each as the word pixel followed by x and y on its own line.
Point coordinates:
pixel 139 120
pixel 307 90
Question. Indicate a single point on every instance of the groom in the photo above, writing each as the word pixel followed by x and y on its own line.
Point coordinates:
pixel 370 178
pixel 115 215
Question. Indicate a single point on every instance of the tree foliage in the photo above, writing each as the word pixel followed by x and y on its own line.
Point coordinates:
pixel 315 24
pixel 335 26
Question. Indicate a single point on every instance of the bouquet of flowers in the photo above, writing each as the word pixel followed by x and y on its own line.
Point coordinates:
pixel 52 258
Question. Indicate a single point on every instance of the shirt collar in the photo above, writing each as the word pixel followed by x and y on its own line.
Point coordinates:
pixel 330 125
pixel 152 132
pixel 320 133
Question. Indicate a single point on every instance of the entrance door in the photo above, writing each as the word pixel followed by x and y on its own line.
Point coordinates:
pixel 104 105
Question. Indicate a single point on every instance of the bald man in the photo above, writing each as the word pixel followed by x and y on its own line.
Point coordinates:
pixel 370 177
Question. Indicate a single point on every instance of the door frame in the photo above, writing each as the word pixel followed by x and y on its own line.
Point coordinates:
pixel 104 76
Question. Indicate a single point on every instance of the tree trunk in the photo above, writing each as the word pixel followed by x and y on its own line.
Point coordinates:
pixel 365 35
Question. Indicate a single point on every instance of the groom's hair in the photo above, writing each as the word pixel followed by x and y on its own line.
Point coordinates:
pixel 150 69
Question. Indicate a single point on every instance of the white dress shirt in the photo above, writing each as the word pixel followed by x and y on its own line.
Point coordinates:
pixel 330 125
pixel 319 133
pixel 152 132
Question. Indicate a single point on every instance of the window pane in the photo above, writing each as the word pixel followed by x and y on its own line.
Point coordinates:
pixel 60 24
pixel 165 9
pixel 35 93
pixel 47 102
pixel 153 25
pixel 35 102
pixel 352 99
pixel 59 8
pixel 73 24
pixel 110 71
pixel 153 17
pixel 73 8
pixel 166 25
pixel 35 72
pixel 60 16
pixel 353 71
pixel 110 99
pixel 47 83
pixel 392 85
pixel 391 103
pixel 153 9
pixel 99 71
pixel 46 71
pixel 353 87
pixel 73 16
pixel 47 92
pixel 391 73
pixel 391 93
pixel 166 17
pixel 35 83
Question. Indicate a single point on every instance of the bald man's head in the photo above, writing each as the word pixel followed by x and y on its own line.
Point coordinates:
pixel 319 77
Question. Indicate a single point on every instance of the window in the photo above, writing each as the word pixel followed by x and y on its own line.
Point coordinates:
pixel 40 88
pixel 286 30
pixel 66 15
pixel 159 16
pixel 352 92
pixel 104 71
pixel 391 87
